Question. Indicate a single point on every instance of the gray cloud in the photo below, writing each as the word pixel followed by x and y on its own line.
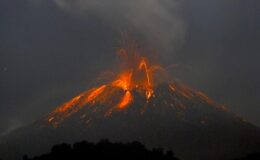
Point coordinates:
pixel 52 50
pixel 158 22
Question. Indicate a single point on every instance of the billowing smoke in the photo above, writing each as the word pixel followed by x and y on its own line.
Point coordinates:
pixel 155 22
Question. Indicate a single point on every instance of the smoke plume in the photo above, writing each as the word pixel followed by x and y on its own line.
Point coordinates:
pixel 156 22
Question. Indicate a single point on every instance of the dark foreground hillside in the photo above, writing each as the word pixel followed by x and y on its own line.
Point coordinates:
pixel 252 156
pixel 107 150
pixel 104 150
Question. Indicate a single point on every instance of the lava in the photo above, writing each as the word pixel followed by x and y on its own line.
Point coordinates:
pixel 137 76
pixel 149 90
pixel 93 94
pixel 124 81
pixel 126 100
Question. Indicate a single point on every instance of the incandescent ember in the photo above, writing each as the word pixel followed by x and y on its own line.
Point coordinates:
pixel 137 76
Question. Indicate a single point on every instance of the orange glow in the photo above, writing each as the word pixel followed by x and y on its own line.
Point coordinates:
pixel 135 77
pixel 148 85
pixel 172 88
pixel 126 100
pixel 93 94
pixel 144 66
pixel 124 81
pixel 68 105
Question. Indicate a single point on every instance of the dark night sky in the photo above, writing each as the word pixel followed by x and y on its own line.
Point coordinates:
pixel 52 50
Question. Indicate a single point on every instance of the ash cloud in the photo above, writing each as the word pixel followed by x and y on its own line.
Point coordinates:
pixel 157 22
pixel 52 50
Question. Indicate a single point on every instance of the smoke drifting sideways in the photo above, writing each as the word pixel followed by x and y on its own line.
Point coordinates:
pixel 58 37
pixel 52 49
pixel 157 23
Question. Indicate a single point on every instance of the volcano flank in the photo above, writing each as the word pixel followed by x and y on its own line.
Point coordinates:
pixel 141 102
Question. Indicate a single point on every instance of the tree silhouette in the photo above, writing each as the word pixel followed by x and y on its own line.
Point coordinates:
pixel 104 150
pixel 252 156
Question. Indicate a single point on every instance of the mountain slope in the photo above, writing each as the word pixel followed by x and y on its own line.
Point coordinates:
pixel 199 130
pixel 141 103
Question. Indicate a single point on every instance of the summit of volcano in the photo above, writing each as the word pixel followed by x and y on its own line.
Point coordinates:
pixel 141 102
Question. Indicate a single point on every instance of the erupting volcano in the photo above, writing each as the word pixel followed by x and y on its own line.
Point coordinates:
pixel 140 102
pixel 137 77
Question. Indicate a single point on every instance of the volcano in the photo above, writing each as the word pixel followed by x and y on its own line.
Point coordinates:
pixel 141 102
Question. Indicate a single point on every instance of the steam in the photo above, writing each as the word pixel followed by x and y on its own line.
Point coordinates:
pixel 12 125
pixel 157 22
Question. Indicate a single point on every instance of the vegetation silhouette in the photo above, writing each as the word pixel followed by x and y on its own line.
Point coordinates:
pixel 252 156
pixel 104 150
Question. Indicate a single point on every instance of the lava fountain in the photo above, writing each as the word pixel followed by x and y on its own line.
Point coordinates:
pixel 137 76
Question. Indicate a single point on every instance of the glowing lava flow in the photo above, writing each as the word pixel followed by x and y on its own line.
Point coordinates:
pixel 149 90
pixel 137 76
pixel 126 100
